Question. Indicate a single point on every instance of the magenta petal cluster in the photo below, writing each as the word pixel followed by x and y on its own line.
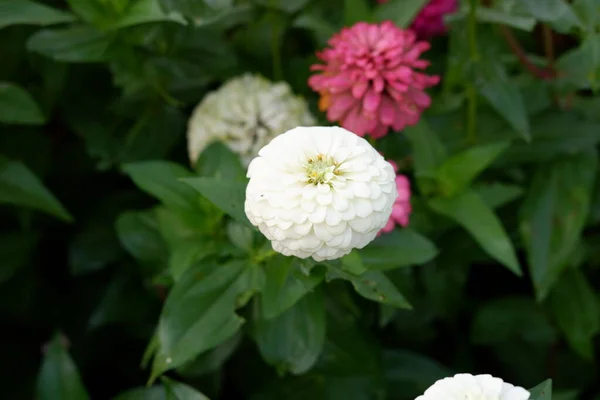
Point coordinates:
pixel 370 79
pixel 430 20
pixel 401 209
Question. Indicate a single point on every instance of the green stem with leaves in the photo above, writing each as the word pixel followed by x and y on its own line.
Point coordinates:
pixel 473 60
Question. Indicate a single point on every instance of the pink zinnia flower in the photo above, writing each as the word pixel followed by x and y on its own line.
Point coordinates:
pixel 369 82
pixel 430 20
pixel 402 208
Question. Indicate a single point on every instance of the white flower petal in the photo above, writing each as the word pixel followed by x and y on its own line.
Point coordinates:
pixel 478 387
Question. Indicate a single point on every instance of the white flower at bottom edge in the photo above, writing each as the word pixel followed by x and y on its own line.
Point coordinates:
pixel 473 387
pixel 319 192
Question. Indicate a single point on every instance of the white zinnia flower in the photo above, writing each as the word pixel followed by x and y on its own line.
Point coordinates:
pixel 478 387
pixel 319 192
pixel 245 114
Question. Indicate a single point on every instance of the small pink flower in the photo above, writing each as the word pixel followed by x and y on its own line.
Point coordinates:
pixel 430 20
pixel 369 81
pixel 401 209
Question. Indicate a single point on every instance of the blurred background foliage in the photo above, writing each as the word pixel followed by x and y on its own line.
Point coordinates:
pixel 500 262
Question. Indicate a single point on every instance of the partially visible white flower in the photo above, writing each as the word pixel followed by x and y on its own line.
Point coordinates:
pixel 245 114
pixel 319 192
pixel 478 387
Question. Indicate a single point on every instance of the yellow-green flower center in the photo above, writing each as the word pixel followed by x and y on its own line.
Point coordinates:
pixel 321 169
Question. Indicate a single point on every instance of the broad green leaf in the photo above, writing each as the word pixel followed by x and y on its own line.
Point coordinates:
pixel 199 313
pixel 201 11
pixel 401 12
pixel 587 12
pixel 240 235
pixel 58 378
pixel 285 284
pixel 558 13
pixel 409 374
pixel 469 211
pixel 543 391
pixel 353 263
pixel 399 248
pixel 428 153
pixel 75 44
pixel 143 393
pixel 181 391
pixel 18 107
pixel 356 11
pixel 372 285
pixel 144 11
pixel 553 216
pixel 229 196
pixel 16 249
pixel 138 233
pixel 187 253
pixel 503 95
pixel 161 179
pixel 20 187
pixel 510 319
pixel 580 67
pixel 218 161
pixel 289 6
pixel 574 305
pixel 550 141
pixel 496 16
pixel 457 172
pixel 211 361
pixel 93 248
pixel 293 340
pixel 26 12
pixel 498 194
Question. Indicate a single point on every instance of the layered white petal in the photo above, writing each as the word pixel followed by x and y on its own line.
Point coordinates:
pixel 473 387
pixel 245 114
pixel 319 192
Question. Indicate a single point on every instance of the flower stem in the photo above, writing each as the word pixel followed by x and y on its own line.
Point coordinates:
pixel 473 59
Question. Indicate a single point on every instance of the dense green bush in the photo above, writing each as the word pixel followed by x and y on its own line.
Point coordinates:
pixel 124 273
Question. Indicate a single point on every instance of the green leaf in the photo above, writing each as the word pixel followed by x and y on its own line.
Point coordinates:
pixel 200 11
pixel 144 11
pixel 457 173
pixel 75 44
pixel 180 391
pixel 293 340
pixel 353 263
pixel 240 235
pixel 399 248
pixel 355 11
pixel 161 179
pixel 428 154
pixel 575 307
pixel 58 378
pixel 211 361
pixel 550 141
pixel 143 393
pixel 409 374
pixel 511 319
pixel 469 210
pixel 580 66
pixel 498 194
pixel 26 12
pixel 372 285
pixel 401 12
pixel 20 187
pixel 558 13
pixel 16 249
pixel 229 196
pixel 187 253
pixel 199 313
pixel 286 283
pixel 139 235
pixel 553 216
pixel 18 107
pixel 543 391
pixel 218 161
pixel 495 16
pixel 503 95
